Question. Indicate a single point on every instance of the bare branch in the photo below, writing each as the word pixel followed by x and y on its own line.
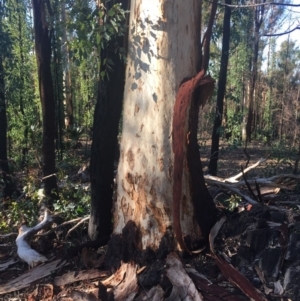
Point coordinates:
pixel 77 225
pixel 234 179
pixel 8 235
pixel 78 219
pixel 259 4
pixel 281 33
pixel 248 186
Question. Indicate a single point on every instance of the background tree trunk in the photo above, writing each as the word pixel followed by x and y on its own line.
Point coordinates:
pixel 105 141
pixel 43 56
pixel 259 17
pixel 66 72
pixel 213 163
pixel 163 50
pixel 4 170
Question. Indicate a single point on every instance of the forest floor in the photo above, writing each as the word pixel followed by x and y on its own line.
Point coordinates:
pixel 261 243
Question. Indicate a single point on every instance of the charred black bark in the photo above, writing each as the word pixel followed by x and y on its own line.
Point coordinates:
pixel 204 207
pixel 43 56
pixel 105 144
pixel 215 139
pixel 4 169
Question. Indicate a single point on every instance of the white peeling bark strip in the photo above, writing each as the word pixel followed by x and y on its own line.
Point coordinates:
pixel 182 283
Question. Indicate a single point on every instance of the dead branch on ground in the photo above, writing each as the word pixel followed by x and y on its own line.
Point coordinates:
pixel 24 251
pixel 78 220
pixel 282 181
pixel 77 225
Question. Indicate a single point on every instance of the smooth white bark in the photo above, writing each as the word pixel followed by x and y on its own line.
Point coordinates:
pixel 163 50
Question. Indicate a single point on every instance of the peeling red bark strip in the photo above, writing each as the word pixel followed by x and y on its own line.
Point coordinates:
pixel 283 239
pixel 205 211
pixel 230 272
pixel 180 137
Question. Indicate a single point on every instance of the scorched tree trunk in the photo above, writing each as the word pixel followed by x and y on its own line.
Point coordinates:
pixel 162 53
pixel 43 56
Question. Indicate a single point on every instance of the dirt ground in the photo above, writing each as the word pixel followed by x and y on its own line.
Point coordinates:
pixel 251 240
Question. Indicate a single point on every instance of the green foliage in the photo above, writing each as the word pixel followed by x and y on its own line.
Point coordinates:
pixel 97 30
pixel 229 202
pixel 74 201
pixel 232 202
pixel 13 212
pixel 21 91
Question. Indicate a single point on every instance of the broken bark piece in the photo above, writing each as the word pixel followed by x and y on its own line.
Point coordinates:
pixel 5 265
pixel 70 277
pixel 42 292
pixel 28 278
pixel 183 286
pixel 128 288
pixel 83 296
pixel 117 277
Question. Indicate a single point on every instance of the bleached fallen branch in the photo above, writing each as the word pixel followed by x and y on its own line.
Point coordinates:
pixel 234 179
pixel 284 181
pixel 77 225
pixel 274 181
pixel 8 234
pixel 24 251
pixel 72 221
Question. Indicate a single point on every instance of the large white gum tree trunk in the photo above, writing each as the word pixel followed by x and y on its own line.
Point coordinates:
pixel 163 50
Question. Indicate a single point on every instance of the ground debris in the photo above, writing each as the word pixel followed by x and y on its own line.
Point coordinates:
pixel 72 277
pixel 31 276
pixel 183 286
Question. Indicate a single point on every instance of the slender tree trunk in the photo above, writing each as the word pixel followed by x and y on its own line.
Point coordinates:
pixel 43 56
pixel 213 163
pixel 67 72
pixel 4 169
pixel 163 51
pixel 259 15
pixel 58 95
pixel 285 88
pixel 25 147
pixel 105 142
pixel 207 35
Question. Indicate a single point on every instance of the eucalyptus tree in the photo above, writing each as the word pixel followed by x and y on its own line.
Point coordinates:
pixel 259 14
pixel 68 102
pixel 4 169
pixel 213 163
pixel 238 74
pixel 286 81
pixel 266 19
pixel 113 28
pixel 268 110
pixel 158 194
pixel 43 52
